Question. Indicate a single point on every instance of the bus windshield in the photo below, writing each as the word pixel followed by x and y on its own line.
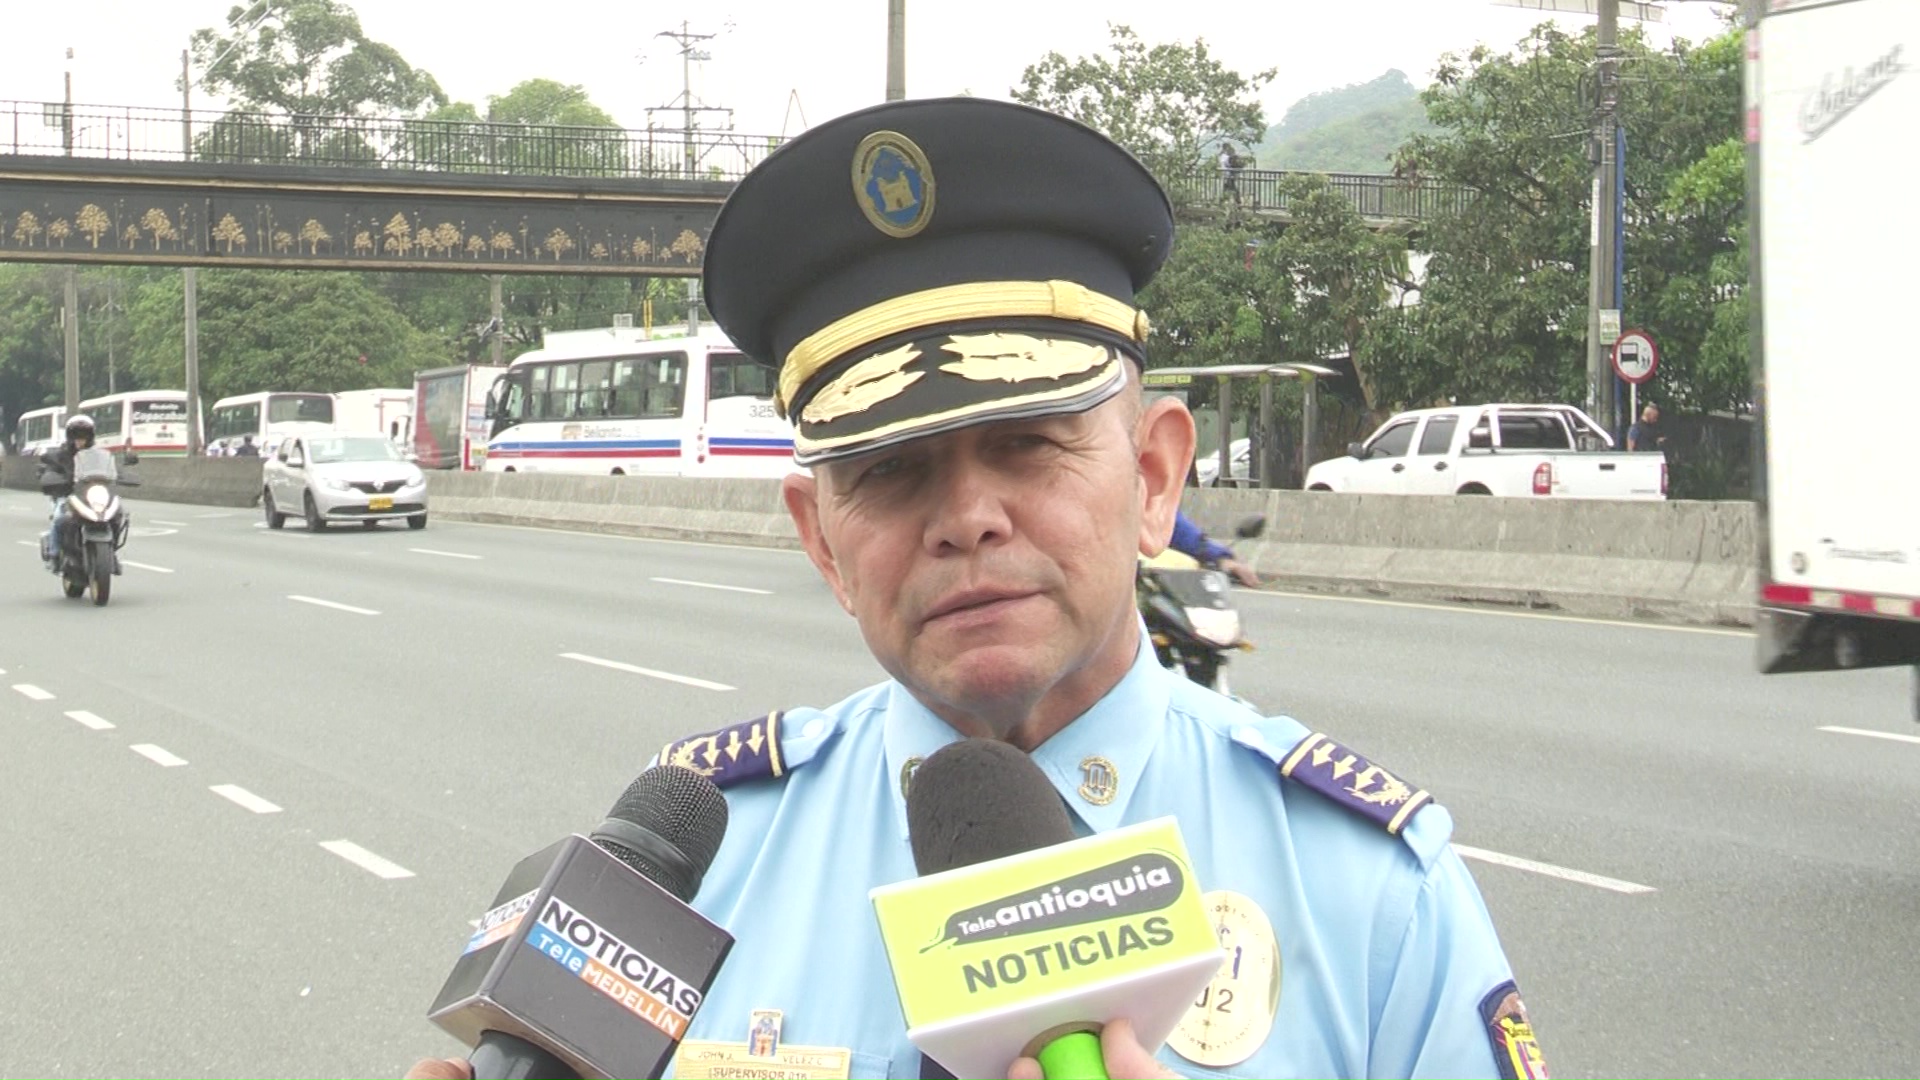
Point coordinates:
pixel 300 408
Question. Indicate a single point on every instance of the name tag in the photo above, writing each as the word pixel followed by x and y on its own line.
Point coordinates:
pixel 703 1060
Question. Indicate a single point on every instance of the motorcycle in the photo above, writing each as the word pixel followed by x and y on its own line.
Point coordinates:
pixel 90 525
pixel 1192 624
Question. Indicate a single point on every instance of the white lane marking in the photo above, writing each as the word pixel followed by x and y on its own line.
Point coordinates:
pixel 175 524
pixel 1581 877
pixel 1873 734
pixel 247 799
pixel 28 543
pixel 141 530
pixel 616 665
pixel 366 860
pixel 709 585
pixel 87 719
pixel 145 566
pixel 32 692
pixel 157 755
pixel 208 517
pixel 317 602
pixel 1467 609
pixel 443 554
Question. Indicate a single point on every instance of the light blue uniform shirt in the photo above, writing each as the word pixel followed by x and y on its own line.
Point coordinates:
pixel 1388 957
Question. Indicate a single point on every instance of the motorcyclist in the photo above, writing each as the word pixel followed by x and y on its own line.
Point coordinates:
pixel 1190 540
pixel 56 475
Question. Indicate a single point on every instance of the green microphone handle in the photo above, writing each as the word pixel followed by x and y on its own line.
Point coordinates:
pixel 1073 1057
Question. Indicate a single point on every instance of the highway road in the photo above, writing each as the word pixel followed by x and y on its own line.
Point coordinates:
pixel 252 805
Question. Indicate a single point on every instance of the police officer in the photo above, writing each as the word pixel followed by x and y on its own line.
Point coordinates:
pixel 947 288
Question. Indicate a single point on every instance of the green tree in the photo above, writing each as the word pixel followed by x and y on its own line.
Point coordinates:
pixel 302 59
pixel 308 57
pixel 1166 103
pixel 1259 292
pixel 540 126
pixel 1502 312
pixel 278 330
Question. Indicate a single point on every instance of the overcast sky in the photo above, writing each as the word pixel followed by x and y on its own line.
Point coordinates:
pixel 829 54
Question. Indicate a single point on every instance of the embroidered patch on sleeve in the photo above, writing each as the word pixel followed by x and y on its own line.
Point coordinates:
pixel 1509 1031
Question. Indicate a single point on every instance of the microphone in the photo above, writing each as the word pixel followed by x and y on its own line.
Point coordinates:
pixel 589 963
pixel 1019 940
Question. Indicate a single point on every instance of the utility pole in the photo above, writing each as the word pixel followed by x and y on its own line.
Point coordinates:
pixel 190 277
pixel 686 39
pixel 1603 267
pixel 499 342
pixel 70 313
pixel 896 50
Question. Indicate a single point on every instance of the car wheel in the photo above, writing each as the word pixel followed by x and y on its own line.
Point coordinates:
pixel 417 521
pixel 315 523
pixel 1319 487
pixel 275 519
pixel 369 524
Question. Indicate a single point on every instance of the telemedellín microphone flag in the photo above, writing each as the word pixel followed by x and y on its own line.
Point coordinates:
pixel 1018 934
pixel 589 951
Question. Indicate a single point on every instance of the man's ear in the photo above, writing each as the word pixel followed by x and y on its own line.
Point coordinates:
pixel 802 496
pixel 1165 439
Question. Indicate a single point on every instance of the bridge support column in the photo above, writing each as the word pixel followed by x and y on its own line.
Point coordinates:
pixel 70 322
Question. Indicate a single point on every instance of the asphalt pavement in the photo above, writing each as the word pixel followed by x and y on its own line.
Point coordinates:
pixel 253 804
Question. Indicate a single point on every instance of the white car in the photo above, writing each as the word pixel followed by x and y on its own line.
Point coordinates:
pixel 1207 467
pixel 1547 451
pixel 327 478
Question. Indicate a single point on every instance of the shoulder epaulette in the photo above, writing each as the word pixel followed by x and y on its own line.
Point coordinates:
pixel 1329 769
pixel 765 747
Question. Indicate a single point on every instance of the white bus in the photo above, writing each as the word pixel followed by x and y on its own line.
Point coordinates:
pixel 268 416
pixel 40 429
pixel 620 401
pixel 152 423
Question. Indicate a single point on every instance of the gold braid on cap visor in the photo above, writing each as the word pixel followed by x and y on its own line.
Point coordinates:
pixel 1065 300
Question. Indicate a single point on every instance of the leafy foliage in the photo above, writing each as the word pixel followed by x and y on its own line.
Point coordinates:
pixel 1503 309
pixel 309 57
pixel 1165 103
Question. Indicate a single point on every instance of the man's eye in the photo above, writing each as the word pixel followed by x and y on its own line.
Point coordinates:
pixel 884 468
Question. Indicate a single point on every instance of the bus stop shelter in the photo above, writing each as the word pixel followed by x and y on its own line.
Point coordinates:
pixel 1181 380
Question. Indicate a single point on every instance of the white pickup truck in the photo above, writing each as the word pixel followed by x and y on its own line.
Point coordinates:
pixel 1554 451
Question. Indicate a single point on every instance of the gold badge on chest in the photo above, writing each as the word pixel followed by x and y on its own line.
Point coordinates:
pixel 1234 1014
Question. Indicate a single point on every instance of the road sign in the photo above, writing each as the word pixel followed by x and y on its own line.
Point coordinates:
pixel 1609 325
pixel 1635 356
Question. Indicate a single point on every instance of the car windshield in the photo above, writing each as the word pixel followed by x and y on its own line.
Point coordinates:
pixel 94 463
pixel 371 448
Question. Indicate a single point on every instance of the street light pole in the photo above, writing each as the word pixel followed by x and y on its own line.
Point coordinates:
pixel 1605 237
pixel 70 313
pixel 190 277
pixel 896 50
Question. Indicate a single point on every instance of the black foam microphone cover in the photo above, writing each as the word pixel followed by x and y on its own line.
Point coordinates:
pixel 978 800
pixel 668 825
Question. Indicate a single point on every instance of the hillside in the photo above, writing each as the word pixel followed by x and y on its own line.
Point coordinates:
pixel 1352 128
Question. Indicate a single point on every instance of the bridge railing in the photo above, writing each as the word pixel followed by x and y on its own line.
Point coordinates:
pixel 1374 195
pixel 137 133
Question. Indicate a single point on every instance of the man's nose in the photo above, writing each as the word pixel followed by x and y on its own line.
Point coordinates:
pixel 969 510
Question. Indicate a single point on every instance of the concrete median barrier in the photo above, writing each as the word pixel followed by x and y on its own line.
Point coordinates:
pixel 205 481
pixel 727 511
pixel 1678 561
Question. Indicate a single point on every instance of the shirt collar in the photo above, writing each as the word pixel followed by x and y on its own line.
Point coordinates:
pixel 1100 756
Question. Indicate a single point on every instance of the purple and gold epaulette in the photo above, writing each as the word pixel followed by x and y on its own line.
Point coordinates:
pixel 1354 782
pixel 749 750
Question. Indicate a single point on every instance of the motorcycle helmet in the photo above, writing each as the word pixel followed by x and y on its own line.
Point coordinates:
pixel 80 424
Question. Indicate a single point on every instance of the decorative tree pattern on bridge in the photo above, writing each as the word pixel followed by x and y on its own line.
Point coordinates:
pixel 93 218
